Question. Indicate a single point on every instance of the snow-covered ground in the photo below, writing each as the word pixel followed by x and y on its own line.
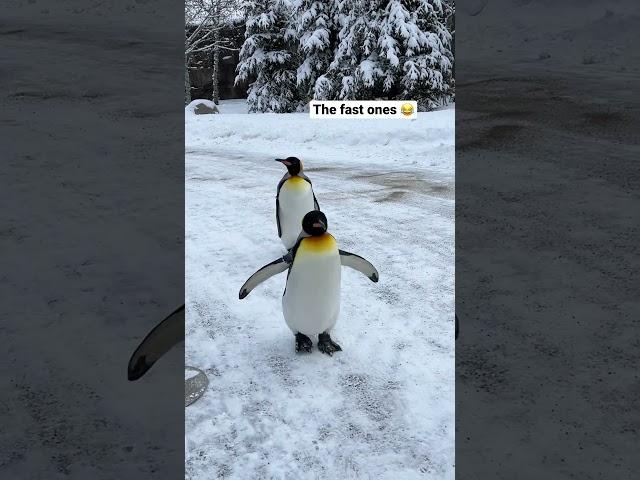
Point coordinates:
pixel 383 408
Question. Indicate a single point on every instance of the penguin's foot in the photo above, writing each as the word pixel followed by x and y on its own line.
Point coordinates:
pixel 326 345
pixel 303 343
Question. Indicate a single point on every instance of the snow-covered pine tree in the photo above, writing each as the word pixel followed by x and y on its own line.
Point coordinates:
pixel 355 72
pixel 316 33
pixel 450 22
pixel 269 56
pixel 415 43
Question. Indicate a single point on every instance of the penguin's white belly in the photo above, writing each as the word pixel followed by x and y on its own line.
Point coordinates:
pixel 311 302
pixel 296 200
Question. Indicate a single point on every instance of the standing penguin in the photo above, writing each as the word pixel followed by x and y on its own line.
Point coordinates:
pixel 294 198
pixel 311 300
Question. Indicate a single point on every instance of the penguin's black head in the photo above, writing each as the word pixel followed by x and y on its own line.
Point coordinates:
pixel 315 223
pixel 293 164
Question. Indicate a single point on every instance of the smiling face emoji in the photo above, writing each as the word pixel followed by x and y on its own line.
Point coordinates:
pixel 407 109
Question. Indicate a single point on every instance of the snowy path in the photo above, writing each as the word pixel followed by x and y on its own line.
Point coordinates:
pixel 383 408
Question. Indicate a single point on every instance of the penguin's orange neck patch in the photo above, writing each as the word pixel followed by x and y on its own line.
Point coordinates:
pixel 296 183
pixel 323 244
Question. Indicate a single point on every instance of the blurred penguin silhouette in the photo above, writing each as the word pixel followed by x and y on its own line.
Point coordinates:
pixel 168 333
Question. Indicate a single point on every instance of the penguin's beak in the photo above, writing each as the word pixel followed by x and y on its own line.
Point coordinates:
pixel 283 161
pixel 320 224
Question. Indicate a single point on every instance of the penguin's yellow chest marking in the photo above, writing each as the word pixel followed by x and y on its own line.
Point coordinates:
pixel 324 244
pixel 296 184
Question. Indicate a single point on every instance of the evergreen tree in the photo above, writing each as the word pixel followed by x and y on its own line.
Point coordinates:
pixel 355 72
pixel 415 42
pixel 393 49
pixel 347 50
pixel 269 55
pixel 450 22
pixel 316 36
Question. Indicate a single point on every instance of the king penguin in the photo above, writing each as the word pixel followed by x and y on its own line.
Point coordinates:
pixel 294 198
pixel 311 299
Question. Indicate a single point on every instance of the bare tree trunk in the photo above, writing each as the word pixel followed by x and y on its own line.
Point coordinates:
pixel 215 74
pixel 187 81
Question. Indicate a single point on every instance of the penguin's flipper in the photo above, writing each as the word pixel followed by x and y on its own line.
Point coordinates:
pixel 316 205
pixel 278 217
pixel 159 341
pixel 358 263
pixel 284 178
pixel 266 272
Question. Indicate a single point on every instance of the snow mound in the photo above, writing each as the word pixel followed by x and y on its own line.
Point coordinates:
pixel 426 142
pixel 201 106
